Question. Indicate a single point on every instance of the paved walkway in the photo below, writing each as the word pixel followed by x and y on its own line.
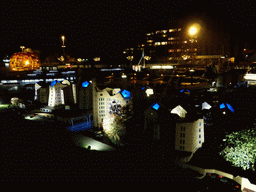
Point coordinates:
pixel 85 142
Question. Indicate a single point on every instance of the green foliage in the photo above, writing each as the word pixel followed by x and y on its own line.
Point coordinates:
pixel 240 148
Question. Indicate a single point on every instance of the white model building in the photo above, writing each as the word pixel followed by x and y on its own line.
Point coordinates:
pixel 104 99
pixel 189 135
pixel 56 93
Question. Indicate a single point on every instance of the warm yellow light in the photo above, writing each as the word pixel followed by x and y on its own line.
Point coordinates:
pixel 63 38
pixel 27 62
pixel 192 30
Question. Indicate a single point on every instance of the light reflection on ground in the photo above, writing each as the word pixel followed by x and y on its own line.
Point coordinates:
pixel 85 142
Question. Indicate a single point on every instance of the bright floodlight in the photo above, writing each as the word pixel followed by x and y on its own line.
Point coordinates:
pixel 192 30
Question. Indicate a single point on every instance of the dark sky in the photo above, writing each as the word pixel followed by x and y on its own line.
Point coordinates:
pixel 105 28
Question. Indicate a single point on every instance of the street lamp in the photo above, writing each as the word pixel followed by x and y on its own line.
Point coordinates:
pixel 192 31
pixel 130 58
pixel 22 48
pixel 63 38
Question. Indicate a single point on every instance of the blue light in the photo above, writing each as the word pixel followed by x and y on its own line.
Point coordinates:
pixel 142 88
pixel 181 90
pixel 155 106
pixel 222 106
pixel 230 107
pixel 126 93
pixel 188 90
pixel 85 84
pixel 54 83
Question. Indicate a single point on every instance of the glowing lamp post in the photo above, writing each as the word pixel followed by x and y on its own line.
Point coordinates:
pixel 63 38
pixel 192 31
pixel 22 48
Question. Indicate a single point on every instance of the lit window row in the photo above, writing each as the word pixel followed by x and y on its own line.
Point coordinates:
pixel 161 43
pixel 101 103
pixel 174 50
pixel 173 30
pixel 101 99
pixel 172 38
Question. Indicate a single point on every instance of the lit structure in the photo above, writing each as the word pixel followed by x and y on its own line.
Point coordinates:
pixel 56 93
pixel 205 105
pixel 24 61
pixel 226 105
pixel 107 100
pixel 189 135
pixel 180 111
pixel 85 95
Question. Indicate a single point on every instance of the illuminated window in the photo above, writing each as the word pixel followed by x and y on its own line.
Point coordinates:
pixel 163 43
pixel 164 31
pixel 149 41
pixel 171 38
pixel 178 50
pixel 179 29
pixel 148 34
pixel 185 41
pixel 172 30
pixel 164 35
pixel 171 50
pixel 157 43
pixel 157 32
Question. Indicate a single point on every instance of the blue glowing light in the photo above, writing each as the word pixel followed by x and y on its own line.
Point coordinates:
pixel 142 88
pixel 54 83
pixel 126 93
pixel 155 106
pixel 187 90
pixel 85 84
pixel 181 90
pixel 230 107
pixel 222 106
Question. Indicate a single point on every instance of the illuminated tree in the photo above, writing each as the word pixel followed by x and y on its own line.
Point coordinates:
pixel 114 127
pixel 240 149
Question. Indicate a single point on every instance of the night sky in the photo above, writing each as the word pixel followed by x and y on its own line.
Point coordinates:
pixel 106 28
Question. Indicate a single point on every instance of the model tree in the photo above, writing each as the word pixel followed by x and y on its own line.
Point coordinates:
pixel 114 123
pixel 240 149
pixel 114 127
